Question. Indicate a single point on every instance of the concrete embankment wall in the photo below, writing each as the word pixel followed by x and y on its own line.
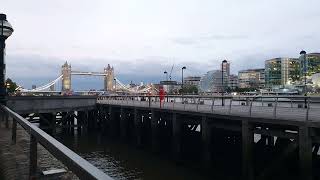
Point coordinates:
pixel 14 158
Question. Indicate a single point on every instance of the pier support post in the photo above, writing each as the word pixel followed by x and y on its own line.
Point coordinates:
pixel 176 139
pixel 71 123
pixel 123 123
pixel 247 151
pixel 79 122
pixel 92 120
pixel 112 123
pixel 85 121
pixel 137 127
pixel 305 153
pixel 53 123
pixel 33 157
pixel 154 130
pixel 206 141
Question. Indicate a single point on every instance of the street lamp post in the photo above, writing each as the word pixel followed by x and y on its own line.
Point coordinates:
pixel 8 87
pixel 183 68
pixel 303 57
pixel 166 73
pixel 5 31
pixel 222 83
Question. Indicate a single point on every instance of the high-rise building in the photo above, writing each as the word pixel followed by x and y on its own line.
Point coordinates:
pixel 251 78
pixel 225 68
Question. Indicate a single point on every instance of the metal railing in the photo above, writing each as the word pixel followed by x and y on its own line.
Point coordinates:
pixel 276 107
pixel 79 166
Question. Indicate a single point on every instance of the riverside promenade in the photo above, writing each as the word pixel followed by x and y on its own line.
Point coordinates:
pixel 14 158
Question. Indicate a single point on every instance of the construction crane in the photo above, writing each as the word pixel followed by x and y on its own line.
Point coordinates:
pixel 171 72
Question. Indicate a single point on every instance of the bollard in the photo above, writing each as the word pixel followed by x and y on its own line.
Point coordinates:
pixel 308 108
pixel 198 104
pixel 173 104
pixel 250 108
pixel 275 109
pixel 212 105
pixel 230 106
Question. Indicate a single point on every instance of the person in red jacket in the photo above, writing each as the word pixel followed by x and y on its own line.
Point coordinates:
pixel 161 95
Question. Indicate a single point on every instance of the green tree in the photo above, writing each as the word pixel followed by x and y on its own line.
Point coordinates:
pixel 189 89
pixel 11 86
pixel 245 89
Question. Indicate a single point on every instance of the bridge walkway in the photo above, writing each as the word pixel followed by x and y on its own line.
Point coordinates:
pixel 273 114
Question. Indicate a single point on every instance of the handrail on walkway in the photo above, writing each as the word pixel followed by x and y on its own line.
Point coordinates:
pixel 79 166
pixel 228 103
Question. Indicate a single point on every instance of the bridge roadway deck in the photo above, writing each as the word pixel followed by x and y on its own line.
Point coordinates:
pixel 262 114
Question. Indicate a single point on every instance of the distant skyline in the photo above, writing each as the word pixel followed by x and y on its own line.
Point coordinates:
pixel 143 38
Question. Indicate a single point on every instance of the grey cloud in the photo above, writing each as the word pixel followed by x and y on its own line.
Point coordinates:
pixel 206 38
pixel 41 70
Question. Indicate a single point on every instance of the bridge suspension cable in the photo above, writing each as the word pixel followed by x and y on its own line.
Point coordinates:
pixel 44 87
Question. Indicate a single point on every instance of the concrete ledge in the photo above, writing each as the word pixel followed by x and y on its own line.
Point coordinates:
pixel 44 104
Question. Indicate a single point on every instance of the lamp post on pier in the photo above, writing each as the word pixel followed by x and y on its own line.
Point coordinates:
pixel 166 73
pixel 222 81
pixel 167 84
pixel 5 31
pixel 183 68
pixel 303 57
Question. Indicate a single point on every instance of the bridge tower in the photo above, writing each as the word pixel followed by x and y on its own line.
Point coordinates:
pixel 109 78
pixel 66 76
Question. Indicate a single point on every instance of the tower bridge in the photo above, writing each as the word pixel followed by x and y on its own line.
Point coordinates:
pixel 111 83
pixel 66 73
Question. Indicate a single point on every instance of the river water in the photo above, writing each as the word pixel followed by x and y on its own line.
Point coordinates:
pixel 124 161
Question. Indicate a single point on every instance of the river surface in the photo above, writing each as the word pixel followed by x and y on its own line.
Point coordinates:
pixel 124 161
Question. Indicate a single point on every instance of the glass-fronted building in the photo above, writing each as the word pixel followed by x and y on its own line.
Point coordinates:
pixel 192 80
pixel 251 78
pixel 211 81
pixel 313 60
pixel 290 71
pixel 233 82
pixel 273 72
pixel 281 72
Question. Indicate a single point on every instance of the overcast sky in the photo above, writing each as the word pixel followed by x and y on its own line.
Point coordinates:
pixel 143 38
